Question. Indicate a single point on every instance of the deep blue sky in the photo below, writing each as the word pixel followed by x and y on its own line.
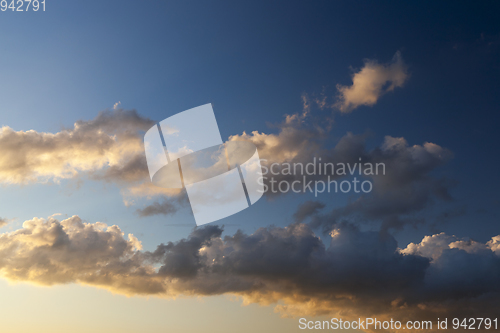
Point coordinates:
pixel 253 61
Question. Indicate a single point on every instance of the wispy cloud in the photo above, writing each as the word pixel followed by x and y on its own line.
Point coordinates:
pixel 3 221
pixel 168 206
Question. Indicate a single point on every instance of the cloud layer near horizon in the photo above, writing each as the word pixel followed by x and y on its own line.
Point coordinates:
pixel 358 273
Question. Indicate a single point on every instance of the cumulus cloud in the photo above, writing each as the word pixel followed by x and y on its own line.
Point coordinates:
pixel 433 246
pixel 296 142
pixel 460 268
pixel 356 273
pixel 107 148
pixel 406 187
pixel 110 148
pixel 110 140
pixel 48 251
pixel 371 82
pixel 292 142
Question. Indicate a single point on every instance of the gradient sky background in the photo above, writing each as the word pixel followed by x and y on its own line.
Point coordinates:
pixel 254 61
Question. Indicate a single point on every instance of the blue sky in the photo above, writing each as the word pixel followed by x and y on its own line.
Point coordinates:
pixel 256 62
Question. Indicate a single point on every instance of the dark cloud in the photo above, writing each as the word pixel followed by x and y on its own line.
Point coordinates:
pixel 356 273
pixel 168 206
pixel 183 258
pixel 406 186
pixel 307 209
pixel 110 148
pixel 157 208
pixel 117 121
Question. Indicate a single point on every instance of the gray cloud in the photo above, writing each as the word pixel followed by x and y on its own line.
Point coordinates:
pixel 406 187
pixel 112 139
pixel 157 208
pixel 132 170
pixel 168 206
pixel 110 148
pixel 357 273
pixel 307 209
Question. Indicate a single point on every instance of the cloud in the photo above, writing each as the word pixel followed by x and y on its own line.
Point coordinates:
pixel 169 206
pixel 494 245
pixel 110 140
pixel 292 142
pixel 357 273
pixel 107 148
pixel 110 148
pixel 433 246
pixel 48 251
pixel 371 82
pixel 156 208
pixel 308 208
pixel 3 221
pixel 461 268
pixel 407 186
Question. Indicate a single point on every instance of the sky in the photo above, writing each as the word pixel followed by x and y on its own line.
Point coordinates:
pixel 87 242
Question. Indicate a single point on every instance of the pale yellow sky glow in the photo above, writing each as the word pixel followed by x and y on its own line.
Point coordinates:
pixel 80 309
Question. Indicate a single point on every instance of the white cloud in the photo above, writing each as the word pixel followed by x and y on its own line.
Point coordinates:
pixel 111 140
pixel 433 246
pixel 371 82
